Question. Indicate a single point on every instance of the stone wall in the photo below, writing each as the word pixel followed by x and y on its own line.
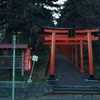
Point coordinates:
pixel 24 89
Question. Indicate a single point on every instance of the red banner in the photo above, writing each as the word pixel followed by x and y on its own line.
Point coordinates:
pixel 27 59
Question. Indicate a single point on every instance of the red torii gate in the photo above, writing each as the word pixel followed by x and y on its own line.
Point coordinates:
pixel 67 36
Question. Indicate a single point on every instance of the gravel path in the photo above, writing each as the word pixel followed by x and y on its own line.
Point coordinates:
pixel 68 74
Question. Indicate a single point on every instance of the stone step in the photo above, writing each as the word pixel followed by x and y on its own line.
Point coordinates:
pixel 76 89
pixel 75 92
pixel 67 86
pixel 61 89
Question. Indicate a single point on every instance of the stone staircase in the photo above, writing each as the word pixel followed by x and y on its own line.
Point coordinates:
pixel 63 89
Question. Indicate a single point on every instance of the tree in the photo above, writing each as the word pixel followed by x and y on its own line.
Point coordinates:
pixel 84 13
pixel 89 9
pixel 27 17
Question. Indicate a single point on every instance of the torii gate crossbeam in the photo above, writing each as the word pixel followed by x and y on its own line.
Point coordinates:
pixel 69 37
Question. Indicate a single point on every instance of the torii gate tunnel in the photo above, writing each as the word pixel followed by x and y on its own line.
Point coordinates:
pixel 66 37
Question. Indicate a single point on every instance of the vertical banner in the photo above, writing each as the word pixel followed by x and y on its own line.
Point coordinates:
pixel 27 59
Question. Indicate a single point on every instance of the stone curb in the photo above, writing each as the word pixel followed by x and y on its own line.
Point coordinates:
pixel 24 89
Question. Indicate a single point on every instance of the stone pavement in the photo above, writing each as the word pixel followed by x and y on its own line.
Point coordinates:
pixel 68 74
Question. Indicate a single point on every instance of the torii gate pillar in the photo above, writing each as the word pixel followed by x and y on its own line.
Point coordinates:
pixel 52 63
pixel 61 40
pixel 90 55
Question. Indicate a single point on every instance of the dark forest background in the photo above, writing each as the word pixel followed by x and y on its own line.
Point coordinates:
pixel 26 17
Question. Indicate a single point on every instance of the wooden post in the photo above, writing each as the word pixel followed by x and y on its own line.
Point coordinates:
pixel 52 64
pixel 60 48
pixel 90 56
pixel 65 50
pixel 76 62
pixel 69 51
pixel 81 55
pixel 72 53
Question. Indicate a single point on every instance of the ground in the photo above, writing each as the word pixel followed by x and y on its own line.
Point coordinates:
pixel 56 96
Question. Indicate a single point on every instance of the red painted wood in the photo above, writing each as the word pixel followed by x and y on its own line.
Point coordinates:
pixel 85 31
pixel 62 40
pixel 72 53
pixel 65 43
pixel 56 31
pixel 81 55
pixel 90 54
pixel 67 31
pixel 69 51
pixel 71 39
pixel 52 63
pixel 76 61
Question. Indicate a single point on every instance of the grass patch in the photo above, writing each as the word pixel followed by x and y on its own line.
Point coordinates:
pixel 96 69
pixel 96 64
pixel 43 57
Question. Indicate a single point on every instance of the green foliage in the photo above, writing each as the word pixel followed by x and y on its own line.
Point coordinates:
pixel 43 57
pixel 2 14
pixel 28 13
pixel 79 14
pixel 32 13
pixel 96 58
pixel 26 16
pixel 96 65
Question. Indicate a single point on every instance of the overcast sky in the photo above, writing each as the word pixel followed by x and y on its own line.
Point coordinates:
pixel 58 15
pixel 61 1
